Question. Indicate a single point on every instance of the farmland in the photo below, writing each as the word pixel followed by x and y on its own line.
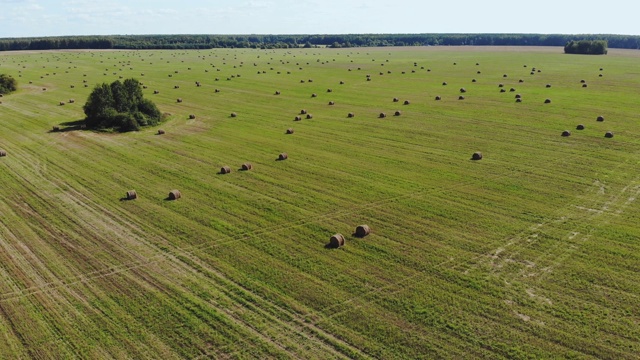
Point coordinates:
pixel 531 252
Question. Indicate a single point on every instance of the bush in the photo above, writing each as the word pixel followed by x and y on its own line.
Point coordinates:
pixel 587 47
pixel 7 84
pixel 120 106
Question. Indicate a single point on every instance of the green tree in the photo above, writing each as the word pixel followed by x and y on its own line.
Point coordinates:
pixel 7 84
pixel 120 106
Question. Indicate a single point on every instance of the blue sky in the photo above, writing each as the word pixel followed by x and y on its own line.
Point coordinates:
pixel 23 18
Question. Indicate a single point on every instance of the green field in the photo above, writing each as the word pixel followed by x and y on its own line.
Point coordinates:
pixel 531 252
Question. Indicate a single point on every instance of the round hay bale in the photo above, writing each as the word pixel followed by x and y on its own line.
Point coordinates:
pixel 396 99
pixel 518 100
pixel 174 195
pixel 336 241
pixel 407 102
pixel 216 90
pixel 600 75
pixel 500 85
pixel 444 83
pixel 350 115
pixel 600 118
pixel 368 79
pixel 314 95
pixel 584 85
pixel 283 156
pixel 520 81
pixel 438 98
pixel 192 116
pixel 277 92
pixel 309 116
pixel 463 90
pixel 3 153
pixel 601 69
pixel 225 169
pixel 363 230
pixel 608 134
pixel 503 90
pixel 160 132
pixel 303 111
pixel 580 127
pixel 473 80
pixel 476 156
pixel 61 103
pixel 460 97
pixel 233 114
pixel 289 131
pixel 518 96
pixel 156 92
pixel 329 90
pixel 532 73
pixel 297 118
pixel 566 133
pixel 547 101
pixel 504 76
pixel 548 85
pixel 310 80
pixel 179 100
pixel 382 115
pixel 131 195
pixel 331 103
pixel 247 166
pixel 397 113
pixel 341 82
pixel 583 81
pixel 176 86
pixel 71 101
pixel 512 90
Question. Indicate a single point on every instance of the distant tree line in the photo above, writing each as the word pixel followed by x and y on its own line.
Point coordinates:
pixel 56 43
pixel 296 41
pixel 586 47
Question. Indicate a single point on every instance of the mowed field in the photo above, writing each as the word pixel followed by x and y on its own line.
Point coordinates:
pixel 531 252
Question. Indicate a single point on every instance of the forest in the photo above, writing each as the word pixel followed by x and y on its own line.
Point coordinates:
pixel 297 41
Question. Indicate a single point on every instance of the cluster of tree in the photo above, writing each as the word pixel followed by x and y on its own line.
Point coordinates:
pixel 120 106
pixel 7 84
pixel 296 41
pixel 587 47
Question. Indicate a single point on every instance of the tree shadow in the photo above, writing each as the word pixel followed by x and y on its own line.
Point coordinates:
pixel 70 126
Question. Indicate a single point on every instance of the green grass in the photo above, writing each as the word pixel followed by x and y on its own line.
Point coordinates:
pixel 531 252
